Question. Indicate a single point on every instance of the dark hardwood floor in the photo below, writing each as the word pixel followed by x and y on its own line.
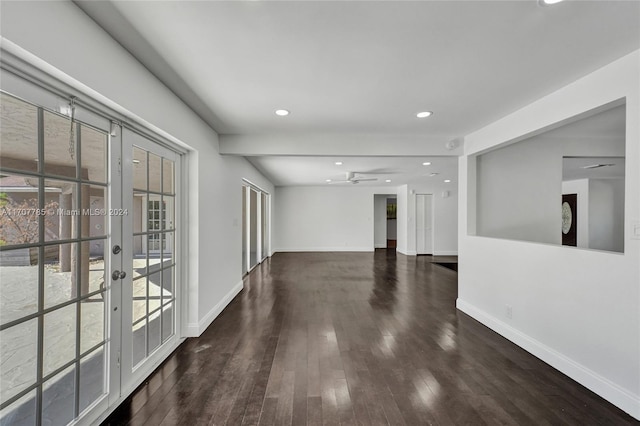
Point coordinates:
pixel 356 338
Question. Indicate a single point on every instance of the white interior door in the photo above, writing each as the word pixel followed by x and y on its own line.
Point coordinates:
pixel 424 224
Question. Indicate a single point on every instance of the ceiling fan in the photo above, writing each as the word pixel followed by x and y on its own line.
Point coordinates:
pixel 352 178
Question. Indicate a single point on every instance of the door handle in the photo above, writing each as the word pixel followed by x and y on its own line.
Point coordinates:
pixel 118 275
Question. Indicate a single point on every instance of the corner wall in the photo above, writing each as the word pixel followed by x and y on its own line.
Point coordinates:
pixel 576 309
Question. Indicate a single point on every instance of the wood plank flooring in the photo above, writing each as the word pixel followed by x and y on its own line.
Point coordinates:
pixel 356 338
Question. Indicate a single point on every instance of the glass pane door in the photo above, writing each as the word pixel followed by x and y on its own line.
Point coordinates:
pixel 245 234
pixel 263 225
pixel 255 219
pixel 54 258
pixel 253 228
pixel 149 298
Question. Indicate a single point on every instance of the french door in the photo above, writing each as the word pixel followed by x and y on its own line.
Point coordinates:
pixel 150 192
pixel 255 227
pixel 88 300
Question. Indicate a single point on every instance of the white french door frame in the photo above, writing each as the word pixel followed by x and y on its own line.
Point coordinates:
pixel 265 245
pixel 41 84
pixel 50 98
pixel 132 375
pixel 246 224
pixel 114 310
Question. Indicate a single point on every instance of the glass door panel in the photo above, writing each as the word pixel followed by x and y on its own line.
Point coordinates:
pixel 245 234
pixel 149 299
pixel 73 337
pixel 54 196
pixel 253 228
pixel 263 225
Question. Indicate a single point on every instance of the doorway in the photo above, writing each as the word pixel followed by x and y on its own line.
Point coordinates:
pixel 392 223
pixel 384 218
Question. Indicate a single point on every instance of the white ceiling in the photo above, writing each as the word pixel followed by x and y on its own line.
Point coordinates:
pixel 304 171
pixel 574 168
pixel 347 69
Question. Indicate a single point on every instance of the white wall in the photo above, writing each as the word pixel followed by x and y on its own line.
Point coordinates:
pixel 578 310
pixel 62 36
pixel 606 214
pixel 221 263
pixel 580 187
pixel 519 193
pixel 392 229
pixel 328 218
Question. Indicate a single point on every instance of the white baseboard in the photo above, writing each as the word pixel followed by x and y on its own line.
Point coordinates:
pixel 407 252
pixel 618 396
pixel 190 330
pixel 322 249
pixel 435 253
pixel 445 253
pixel 195 330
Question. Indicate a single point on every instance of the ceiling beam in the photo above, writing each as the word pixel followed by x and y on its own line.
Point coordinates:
pixel 337 145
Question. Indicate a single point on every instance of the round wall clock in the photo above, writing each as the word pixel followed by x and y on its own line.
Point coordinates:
pixel 567 217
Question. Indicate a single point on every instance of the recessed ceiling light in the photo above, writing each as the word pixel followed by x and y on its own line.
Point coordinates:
pixel 136 161
pixel 428 163
pixel 282 112
pixel 328 180
pixel 424 114
pixel 388 180
pixel 549 2
pixel 338 163
pixel 447 181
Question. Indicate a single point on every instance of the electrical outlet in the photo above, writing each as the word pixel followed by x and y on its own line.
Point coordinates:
pixel 509 311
